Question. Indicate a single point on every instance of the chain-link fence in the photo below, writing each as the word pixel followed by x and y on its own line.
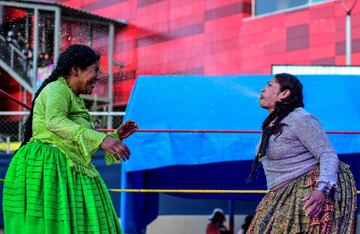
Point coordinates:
pixel 12 126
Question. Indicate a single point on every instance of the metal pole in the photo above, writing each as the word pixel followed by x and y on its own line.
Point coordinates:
pixel 27 5
pixel 43 36
pixel 110 84
pixel 23 119
pixel 231 216
pixel 8 145
pixel 1 15
pixel 57 34
pixel 348 38
pixel 35 49
pixel 348 9
pixel 22 90
pixel 12 57
pixel 25 97
pixel 27 35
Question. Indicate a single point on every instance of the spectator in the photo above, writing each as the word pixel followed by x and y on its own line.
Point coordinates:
pixel 11 39
pixel 27 52
pixel 216 224
pixel 246 225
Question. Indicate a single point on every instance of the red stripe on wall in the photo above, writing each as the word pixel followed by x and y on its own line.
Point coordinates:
pixel 229 10
pixel 170 35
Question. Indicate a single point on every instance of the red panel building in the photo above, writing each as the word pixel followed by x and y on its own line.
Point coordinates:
pixel 211 37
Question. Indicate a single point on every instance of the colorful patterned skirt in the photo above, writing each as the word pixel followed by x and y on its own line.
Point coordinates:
pixel 42 194
pixel 281 211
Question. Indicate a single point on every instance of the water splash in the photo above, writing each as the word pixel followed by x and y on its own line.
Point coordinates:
pixel 247 91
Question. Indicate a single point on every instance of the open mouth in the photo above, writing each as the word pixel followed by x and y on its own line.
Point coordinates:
pixel 92 83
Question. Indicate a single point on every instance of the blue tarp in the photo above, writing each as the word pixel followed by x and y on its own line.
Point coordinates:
pixel 177 160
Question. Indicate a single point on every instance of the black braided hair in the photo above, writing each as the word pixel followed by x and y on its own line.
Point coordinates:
pixel 272 124
pixel 80 56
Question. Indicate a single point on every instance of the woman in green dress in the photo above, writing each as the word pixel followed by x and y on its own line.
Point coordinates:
pixel 51 186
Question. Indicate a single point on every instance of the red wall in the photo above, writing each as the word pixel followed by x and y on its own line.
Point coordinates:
pixel 218 37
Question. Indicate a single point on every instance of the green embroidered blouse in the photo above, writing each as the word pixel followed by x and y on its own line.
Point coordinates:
pixel 61 119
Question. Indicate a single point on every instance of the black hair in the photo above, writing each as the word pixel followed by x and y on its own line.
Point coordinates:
pixel 272 124
pixel 80 56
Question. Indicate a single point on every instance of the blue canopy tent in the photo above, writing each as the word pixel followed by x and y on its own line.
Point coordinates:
pixel 213 160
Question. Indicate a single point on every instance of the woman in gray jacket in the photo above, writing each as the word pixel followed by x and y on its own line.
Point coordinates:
pixel 310 191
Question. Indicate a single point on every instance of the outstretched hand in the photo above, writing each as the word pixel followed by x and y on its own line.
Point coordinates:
pixel 314 203
pixel 126 129
pixel 116 148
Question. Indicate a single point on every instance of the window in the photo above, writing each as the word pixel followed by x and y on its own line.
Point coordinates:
pixel 268 6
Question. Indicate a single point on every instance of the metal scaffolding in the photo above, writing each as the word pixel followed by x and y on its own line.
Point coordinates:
pixel 76 15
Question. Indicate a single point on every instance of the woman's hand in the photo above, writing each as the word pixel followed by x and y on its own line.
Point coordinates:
pixel 314 203
pixel 126 129
pixel 116 148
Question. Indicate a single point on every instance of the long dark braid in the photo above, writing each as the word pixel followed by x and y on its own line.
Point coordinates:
pixel 272 124
pixel 80 56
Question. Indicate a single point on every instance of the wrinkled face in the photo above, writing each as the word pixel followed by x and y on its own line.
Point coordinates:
pixel 87 78
pixel 270 94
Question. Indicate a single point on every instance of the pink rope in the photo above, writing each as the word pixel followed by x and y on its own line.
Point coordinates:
pixel 181 131
pixel 218 131
pixel 14 99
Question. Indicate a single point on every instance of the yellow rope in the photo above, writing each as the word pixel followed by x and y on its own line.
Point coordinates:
pixel 185 190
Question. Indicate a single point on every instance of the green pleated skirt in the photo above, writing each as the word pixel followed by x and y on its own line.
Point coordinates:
pixel 42 194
